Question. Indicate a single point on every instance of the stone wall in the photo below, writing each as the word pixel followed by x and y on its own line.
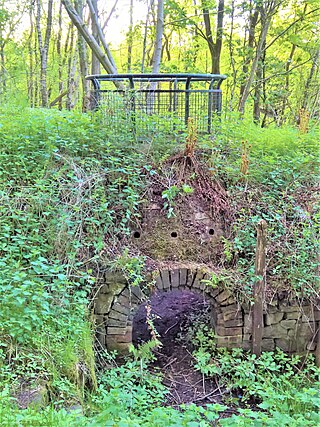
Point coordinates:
pixel 287 324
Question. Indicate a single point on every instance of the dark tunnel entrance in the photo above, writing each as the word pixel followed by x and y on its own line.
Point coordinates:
pixel 172 314
pixel 176 316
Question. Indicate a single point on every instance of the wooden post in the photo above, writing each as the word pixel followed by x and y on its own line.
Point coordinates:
pixel 317 352
pixel 259 288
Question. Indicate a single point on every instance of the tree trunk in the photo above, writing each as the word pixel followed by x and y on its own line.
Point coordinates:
pixel 313 70
pixel 251 39
pixel 145 34
pixel 31 62
pixel 71 73
pixel 287 84
pixel 232 56
pixel 59 53
pixel 158 40
pixel 44 49
pixel 101 37
pixel 95 63
pixel 83 62
pixel 218 44
pixel 214 47
pixel 130 37
pixel 82 28
pixel 209 37
pixel 266 13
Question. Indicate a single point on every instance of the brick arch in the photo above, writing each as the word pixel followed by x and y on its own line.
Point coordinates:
pixel 117 302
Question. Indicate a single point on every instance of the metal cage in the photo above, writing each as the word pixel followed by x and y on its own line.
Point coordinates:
pixel 157 102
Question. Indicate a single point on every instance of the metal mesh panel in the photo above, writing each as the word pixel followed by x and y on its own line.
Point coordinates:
pixel 153 103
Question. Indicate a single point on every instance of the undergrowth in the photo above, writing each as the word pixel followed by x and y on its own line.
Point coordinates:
pixel 70 191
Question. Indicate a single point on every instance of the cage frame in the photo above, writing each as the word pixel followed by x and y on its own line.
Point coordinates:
pixel 214 82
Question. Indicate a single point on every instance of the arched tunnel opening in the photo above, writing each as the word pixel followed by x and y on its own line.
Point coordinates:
pixel 173 314
pixel 176 315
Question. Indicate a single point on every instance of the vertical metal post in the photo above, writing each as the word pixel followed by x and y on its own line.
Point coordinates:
pixel 96 95
pixel 187 101
pixel 210 102
pixel 175 95
pixel 259 288
pixel 132 103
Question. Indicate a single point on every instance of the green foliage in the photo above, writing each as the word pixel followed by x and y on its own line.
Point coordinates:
pixel 285 392
pixel 132 267
pixel 170 195
pixel 68 191
pixel 55 214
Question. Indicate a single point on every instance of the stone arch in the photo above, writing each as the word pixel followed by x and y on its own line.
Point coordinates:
pixel 116 303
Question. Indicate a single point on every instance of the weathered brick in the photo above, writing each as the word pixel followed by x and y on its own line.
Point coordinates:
pixel 213 292
pixel 224 331
pixel 122 348
pixel 229 342
pixel 272 318
pixel 289 308
pixel 274 331
pixel 183 276
pixel 118 316
pixel 166 279
pixel 197 280
pixel 232 312
pixel 267 344
pixel 223 296
pixel 288 324
pixel 229 301
pixel 286 344
pixel 121 308
pixel 114 277
pixel 159 284
pixel 116 331
pixel 228 323
pixel 136 294
pixel 117 323
pixel 123 300
pixel 104 289
pixel 126 338
pixel 295 315
pixel 191 275
pixel 175 278
pixel 103 303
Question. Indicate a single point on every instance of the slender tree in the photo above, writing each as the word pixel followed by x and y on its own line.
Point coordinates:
pixel 267 9
pixel 214 46
pixel 43 44
pixel 156 60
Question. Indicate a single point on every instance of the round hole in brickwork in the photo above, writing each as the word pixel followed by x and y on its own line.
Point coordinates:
pixel 137 234
pixel 211 231
pixel 174 234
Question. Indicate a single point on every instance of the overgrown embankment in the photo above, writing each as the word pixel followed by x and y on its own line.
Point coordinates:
pixel 71 192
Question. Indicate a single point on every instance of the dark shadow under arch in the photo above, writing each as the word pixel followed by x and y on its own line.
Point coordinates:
pixel 171 314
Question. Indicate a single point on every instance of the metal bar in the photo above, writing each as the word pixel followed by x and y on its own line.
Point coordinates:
pixel 210 102
pixel 132 104
pixel 175 97
pixel 155 77
pixel 187 101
